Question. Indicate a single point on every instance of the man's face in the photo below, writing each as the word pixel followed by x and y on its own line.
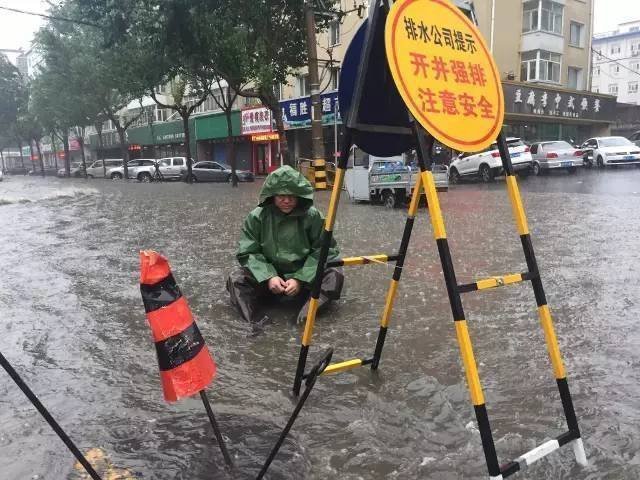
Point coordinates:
pixel 286 203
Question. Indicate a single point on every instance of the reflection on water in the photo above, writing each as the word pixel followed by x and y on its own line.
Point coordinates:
pixel 74 326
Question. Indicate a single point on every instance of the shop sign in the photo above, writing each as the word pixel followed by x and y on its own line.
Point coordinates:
pixel 444 72
pixel 256 120
pixel 296 113
pixel 168 137
pixel 265 137
pixel 134 148
pixel 548 102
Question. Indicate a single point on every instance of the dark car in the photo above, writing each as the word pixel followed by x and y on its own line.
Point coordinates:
pixel 209 171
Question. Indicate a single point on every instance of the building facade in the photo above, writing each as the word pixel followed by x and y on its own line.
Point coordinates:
pixel 616 63
pixel 542 49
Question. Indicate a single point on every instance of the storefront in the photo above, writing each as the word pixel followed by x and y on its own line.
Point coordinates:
pixel 297 119
pixel 257 126
pixel 536 113
pixel 213 142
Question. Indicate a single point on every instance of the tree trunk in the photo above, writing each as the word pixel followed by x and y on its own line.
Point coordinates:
pixel 54 148
pixel 31 155
pixel 284 146
pixel 84 158
pixel 21 157
pixel 232 149
pixel 187 144
pixel 67 154
pixel 2 157
pixel 123 150
pixel 40 157
pixel 98 126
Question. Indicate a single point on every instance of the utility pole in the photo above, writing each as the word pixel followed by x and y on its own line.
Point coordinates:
pixel 317 143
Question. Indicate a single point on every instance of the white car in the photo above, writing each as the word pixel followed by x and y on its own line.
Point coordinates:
pixel 487 164
pixel 97 170
pixel 142 169
pixel 174 167
pixel 604 151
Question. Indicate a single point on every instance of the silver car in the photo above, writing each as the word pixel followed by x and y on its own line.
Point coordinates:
pixel 210 171
pixel 555 155
pixel 97 170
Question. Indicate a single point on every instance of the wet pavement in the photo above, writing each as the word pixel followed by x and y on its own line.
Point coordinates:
pixel 73 325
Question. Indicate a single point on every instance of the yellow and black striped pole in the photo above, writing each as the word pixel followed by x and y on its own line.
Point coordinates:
pixel 543 309
pixel 464 340
pixel 397 272
pixel 319 174
pixel 327 235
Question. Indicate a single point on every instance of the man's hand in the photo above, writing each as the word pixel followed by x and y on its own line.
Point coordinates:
pixel 277 285
pixel 292 287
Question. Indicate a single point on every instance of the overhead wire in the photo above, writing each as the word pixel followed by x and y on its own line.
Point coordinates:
pixel 51 17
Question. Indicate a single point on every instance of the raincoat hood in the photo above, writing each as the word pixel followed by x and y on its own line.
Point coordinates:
pixel 287 181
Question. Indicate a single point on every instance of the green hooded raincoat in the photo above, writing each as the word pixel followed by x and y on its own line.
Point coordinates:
pixel 277 244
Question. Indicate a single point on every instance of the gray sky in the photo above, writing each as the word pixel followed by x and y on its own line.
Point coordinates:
pixel 16 30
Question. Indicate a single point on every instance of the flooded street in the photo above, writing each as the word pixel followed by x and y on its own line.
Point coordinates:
pixel 73 325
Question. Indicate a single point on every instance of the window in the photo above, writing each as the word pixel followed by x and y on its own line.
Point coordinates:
pixel 635 66
pixel 633 87
pixel 613 89
pixel 614 69
pixel 595 89
pixel 303 85
pixel 540 65
pixel 530 16
pixel 335 78
pixel 551 16
pixel 334 33
pixel 575 34
pixel 528 66
pixel 534 148
pixel 177 162
pixel 596 71
pixel 615 49
pixel 574 78
pixel 635 49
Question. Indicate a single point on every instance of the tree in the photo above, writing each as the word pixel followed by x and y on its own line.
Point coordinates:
pixel 276 36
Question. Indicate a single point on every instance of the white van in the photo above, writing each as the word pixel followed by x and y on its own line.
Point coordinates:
pixel 96 169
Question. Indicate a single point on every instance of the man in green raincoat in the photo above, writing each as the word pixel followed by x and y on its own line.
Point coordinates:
pixel 279 248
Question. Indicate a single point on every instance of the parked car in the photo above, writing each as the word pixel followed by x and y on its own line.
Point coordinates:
pixel 48 170
pixel 606 151
pixel 97 168
pixel 209 171
pixel 635 138
pixel 76 170
pixel 488 164
pixel 142 169
pixel 174 167
pixel 17 170
pixel 555 155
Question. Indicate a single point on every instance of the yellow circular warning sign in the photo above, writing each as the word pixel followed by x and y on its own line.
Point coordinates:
pixel 444 73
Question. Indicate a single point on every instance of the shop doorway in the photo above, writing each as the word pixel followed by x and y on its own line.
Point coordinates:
pixel 262 159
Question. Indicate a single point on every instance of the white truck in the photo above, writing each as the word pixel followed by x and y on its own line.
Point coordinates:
pixel 386 180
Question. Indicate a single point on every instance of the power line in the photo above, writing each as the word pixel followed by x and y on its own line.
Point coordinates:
pixel 51 17
pixel 614 61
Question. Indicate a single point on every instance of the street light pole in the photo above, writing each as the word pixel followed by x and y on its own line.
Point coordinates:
pixel 317 143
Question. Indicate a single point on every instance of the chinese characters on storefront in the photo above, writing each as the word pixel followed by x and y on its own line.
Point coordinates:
pixel 548 102
pixel 444 73
pixel 296 113
pixel 256 120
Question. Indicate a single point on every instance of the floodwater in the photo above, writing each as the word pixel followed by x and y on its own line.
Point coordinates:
pixel 72 323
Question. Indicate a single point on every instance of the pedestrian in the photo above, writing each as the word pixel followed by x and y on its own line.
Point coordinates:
pixel 279 249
